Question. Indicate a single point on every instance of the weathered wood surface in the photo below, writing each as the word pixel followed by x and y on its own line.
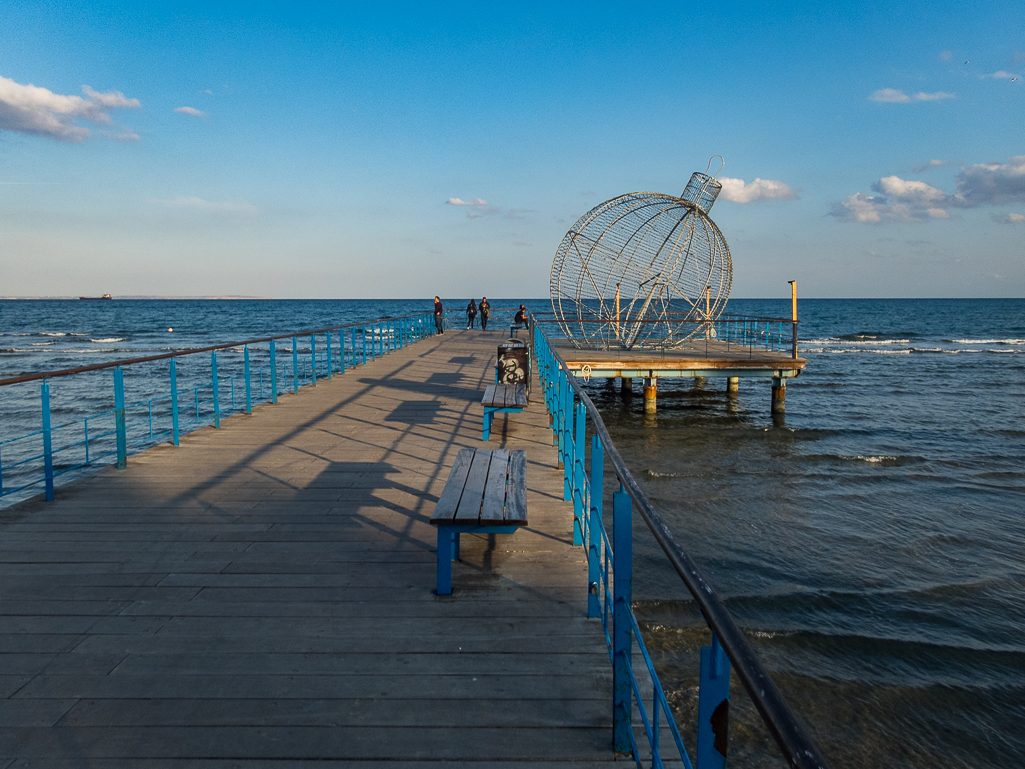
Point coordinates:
pixel 484 486
pixel 505 396
pixel 716 355
pixel 262 595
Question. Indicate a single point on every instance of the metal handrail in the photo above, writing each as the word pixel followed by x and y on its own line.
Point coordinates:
pixel 781 721
pixel 188 351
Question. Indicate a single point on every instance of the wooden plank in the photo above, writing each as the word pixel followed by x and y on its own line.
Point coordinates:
pixel 449 500
pixel 469 506
pixel 489 395
pixel 516 505
pixel 493 508
pixel 521 396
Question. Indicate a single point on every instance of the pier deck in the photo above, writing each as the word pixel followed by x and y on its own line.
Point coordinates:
pixel 699 359
pixel 264 593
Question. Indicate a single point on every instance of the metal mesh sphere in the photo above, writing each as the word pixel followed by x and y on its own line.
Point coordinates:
pixel 643 270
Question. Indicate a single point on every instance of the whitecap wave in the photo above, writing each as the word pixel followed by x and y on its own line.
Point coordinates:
pixel 108 340
pixel 986 341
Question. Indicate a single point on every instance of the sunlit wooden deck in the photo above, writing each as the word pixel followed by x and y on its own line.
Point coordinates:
pixel 264 594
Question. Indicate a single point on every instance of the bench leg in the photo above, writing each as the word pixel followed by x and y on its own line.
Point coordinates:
pixel 444 561
pixel 488 416
pixel 455 546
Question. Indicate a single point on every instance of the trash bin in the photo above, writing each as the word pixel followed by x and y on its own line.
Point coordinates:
pixel 513 364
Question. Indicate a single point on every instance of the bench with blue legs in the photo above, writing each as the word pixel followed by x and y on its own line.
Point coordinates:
pixel 486 493
pixel 502 397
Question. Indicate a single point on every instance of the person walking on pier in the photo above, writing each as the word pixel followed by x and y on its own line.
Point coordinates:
pixel 485 313
pixel 471 315
pixel 439 317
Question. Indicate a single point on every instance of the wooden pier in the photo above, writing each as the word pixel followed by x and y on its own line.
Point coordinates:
pixel 264 594
pixel 703 358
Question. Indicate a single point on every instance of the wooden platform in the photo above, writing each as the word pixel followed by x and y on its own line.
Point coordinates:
pixel 713 358
pixel 264 594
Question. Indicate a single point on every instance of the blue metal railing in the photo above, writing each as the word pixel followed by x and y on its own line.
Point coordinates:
pixel 38 457
pixel 609 593
pixel 679 332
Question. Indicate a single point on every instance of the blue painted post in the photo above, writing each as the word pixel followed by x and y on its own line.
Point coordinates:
pixel 150 417
pixel 364 345
pixel 175 435
pixel 594 530
pixel 560 402
pixel 313 359
pixel 249 387
pixel 579 524
pixel 713 706
pixel 567 442
pixel 354 347
pixel 622 553
pixel 119 419
pixel 47 440
pixel 273 372
pixel 327 355
pixel 216 388
pixel 295 365
pixel 196 391
pixel 341 352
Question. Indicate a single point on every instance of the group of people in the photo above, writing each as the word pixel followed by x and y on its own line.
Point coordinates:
pixel 472 311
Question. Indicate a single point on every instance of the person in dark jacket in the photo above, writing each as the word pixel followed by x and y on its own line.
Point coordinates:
pixel 521 315
pixel 485 313
pixel 471 315
pixel 439 317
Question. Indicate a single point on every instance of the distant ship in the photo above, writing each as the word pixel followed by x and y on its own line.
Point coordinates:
pixel 105 296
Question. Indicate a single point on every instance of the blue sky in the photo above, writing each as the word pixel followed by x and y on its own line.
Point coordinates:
pixel 298 150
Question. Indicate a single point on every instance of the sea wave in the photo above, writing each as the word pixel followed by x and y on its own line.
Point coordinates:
pixel 108 340
pixel 986 341
pixel 52 333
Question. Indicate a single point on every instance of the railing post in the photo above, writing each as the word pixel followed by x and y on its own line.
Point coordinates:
pixel 47 440
pixel 216 388
pixel 364 345
pixel 560 403
pixel 579 523
pixel 327 355
pixel 595 529
pixel 567 442
pixel 175 434
pixel 119 419
pixel 273 372
pixel 295 365
pixel 622 690
pixel 341 351
pixel 249 386
pixel 313 359
pixel 713 706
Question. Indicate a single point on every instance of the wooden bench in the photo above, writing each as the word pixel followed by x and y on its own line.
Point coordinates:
pixel 486 492
pixel 502 397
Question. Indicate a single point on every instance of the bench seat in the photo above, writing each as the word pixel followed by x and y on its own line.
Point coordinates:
pixel 502 397
pixel 486 492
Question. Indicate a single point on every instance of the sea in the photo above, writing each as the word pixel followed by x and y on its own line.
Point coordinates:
pixel 870 541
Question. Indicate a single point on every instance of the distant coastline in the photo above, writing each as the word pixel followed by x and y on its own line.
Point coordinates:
pixel 138 297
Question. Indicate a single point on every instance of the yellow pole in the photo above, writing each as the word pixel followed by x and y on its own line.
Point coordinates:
pixel 617 310
pixel 708 309
pixel 793 302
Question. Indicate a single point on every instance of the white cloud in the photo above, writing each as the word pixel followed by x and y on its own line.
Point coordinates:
pixel 738 191
pixel 902 200
pixel 1002 75
pixel 916 193
pixel 478 203
pixel 993 183
pixel 1011 218
pixel 930 164
pixel 894 96
pixel 34 110
pixel 211 206
pixel 128 136
pixel 947 55
pixel 190 111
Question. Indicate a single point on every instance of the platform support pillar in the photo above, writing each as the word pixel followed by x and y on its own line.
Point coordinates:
pixel 779 395
pixel 699 383
pixel 732 385
pixel 626 385
pixel 650 391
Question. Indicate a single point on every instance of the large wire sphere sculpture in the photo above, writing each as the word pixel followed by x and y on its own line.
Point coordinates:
pixel 643 270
